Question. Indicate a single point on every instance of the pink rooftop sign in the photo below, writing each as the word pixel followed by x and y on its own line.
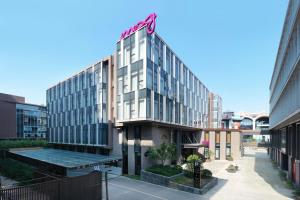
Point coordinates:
pixel 149 22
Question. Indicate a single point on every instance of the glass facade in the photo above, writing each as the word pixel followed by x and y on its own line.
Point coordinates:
pixel 77 108
pixel 31 121
pixel 154 84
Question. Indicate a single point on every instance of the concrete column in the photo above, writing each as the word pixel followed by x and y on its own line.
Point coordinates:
pixel 131 160
pixel 236 144
pixel 223 145
pixel 290 167
pixel 179 146
pixel 297 178
pixel 212 144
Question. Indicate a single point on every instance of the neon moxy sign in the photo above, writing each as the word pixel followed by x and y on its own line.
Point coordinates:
pixel 149 22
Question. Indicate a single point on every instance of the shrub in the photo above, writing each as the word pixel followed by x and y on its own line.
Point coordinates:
pixel 163 153
pixel 206 173
pixel 16 170
pixel 282 175
pixel 232 168
pixel 297 192
pixel 229 158
pixel 164 170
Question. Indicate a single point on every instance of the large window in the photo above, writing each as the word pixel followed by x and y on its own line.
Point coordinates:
pixel 133 56
pixel 126 51
pixel 149 74
pixel 132 109
pixel 149 103
pixel 142 108
pixel 155 84
pixel 126 109
pixel 156 106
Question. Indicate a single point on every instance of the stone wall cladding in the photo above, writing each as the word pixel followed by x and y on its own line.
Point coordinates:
pixel 168 182
pixel 189 189
pixel 157 179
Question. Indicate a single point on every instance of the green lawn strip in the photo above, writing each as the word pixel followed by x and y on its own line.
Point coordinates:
pixel 164 170
pixel 183 180
pixel 135 177
pixel 22 143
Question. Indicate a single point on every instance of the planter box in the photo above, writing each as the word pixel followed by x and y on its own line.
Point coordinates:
pixel 157 179
pixel 213 182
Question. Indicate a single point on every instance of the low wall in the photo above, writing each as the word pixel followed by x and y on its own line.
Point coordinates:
pixel 157 179
pixel 189 189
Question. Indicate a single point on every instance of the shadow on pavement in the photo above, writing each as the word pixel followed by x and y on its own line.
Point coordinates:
pixel 263 167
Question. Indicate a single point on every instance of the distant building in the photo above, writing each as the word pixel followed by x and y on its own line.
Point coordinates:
pixel 21 120
pixel 215 111
pixel 253 125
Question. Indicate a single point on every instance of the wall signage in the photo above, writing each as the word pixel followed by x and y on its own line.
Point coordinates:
pixel 149 22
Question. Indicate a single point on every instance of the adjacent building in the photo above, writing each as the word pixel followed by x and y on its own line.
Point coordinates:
pixel 285 97
pixel 80 109
pixel 215 111
pixel 20 119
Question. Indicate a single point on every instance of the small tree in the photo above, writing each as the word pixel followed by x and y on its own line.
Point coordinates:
pixel 192 159
pixel 163 153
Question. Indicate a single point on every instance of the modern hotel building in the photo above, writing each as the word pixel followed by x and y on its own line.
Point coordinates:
pixel 158 97
pixel 285 97
pixel 139 98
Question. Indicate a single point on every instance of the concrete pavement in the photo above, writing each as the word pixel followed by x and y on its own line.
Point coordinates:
pixel 256 179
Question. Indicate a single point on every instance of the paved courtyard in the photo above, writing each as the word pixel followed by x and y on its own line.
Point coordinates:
pixel 256 179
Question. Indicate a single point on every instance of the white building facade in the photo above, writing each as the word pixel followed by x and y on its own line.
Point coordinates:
pixel 285 97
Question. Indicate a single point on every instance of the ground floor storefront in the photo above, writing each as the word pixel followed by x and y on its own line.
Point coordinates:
pixel 285 150
pixel 133 141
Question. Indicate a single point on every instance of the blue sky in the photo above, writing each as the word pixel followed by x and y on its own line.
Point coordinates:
pixel 230 45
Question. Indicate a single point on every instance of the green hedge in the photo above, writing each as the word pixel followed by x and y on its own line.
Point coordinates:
pixel 164 170
pixel 16 170
pixel 22 143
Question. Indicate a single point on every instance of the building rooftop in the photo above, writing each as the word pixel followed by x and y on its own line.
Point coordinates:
pixel 64 158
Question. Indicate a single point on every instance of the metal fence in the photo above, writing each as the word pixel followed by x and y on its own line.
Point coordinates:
pixel 87 187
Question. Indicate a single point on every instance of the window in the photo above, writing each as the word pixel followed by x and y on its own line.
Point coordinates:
pixel 161 108
pixel 149 100
pixel 156 54
pixel 141 78
pixel 156 108
pixel 149 74
pixel 126 87
pixel 132 109
pixel 149 48
pixel 134 81
pixel 133 49
pixel 142 108
pixel 206 136
pixel 217 137
pixel 126 51
pixel 142 49
pixel 217 153
pixel 93 134
pixel 126 109
pixel 118 55
pixel 155 78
